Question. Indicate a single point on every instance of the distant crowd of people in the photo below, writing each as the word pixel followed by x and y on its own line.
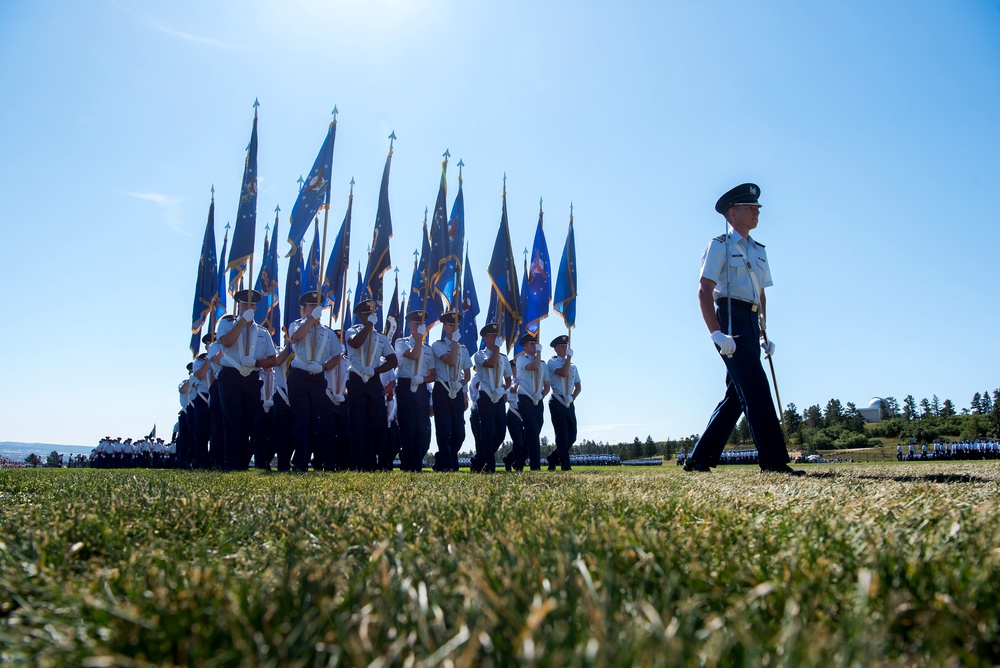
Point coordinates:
pixel 745 456
pixel 977 449
pixel 147 453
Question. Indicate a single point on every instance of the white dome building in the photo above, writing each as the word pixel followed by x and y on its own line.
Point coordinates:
pixel 873 411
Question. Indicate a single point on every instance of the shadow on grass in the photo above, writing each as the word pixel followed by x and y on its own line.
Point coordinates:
pixel 942 478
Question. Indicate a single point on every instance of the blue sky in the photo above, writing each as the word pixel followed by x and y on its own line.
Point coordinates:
pixel 870 127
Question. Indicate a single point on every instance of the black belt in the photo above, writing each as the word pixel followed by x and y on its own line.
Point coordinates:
pixel 737 304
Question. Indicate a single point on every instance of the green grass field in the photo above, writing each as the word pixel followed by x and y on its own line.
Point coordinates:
pixel 893 564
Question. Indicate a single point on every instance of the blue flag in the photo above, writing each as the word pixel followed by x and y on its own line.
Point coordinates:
pixel 310 272
pixel 448 283
pixel 360 291
pixel 268 311
pixel 492 312
pixel 293 288
pixel 348 315
pixel 379 261
pixel 564 298
pixel 538 292
pixel 241 249
pixel 220 303
pixel 315 192
pixel 440 249
pixel 393 323
pixel 503 278
pixel 205 285
pixel 522 329
pixel 470 309
pixel 336 269
pixel 422 294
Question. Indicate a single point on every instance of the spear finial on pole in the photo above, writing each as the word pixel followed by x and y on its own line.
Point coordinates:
pixel 334 112
pixel 301 182
pixel 392 138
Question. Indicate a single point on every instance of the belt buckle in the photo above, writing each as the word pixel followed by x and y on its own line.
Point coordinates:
pixel 753 308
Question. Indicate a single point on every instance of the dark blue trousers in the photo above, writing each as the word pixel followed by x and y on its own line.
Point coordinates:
pixel 366 417
pixel 335 444
pixel 201 424
pixel 449 427
pixel 564 425
pixel 517 455
pixel 306 394
pixel 217 442
pixel 747 392
pixel 413 415
pixel 492 426
pixel 271 436
pixel 240 396
pixel 532 419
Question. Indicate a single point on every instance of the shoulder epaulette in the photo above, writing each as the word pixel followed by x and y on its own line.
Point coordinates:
pixel 721 238
pixel 228 316
pixel 758 243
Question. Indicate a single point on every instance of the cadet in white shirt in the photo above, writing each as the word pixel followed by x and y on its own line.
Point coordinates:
pixel 272 426
pixel 414 372
pixel 532 385
pixel 217 444
pixel 565 380
pixel 201 415
pixel 316 349
pixel 493 371
pixel 245 347
pixel 370 354
pixel 453 368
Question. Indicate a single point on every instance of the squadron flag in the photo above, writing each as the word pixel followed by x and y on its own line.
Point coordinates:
pixel 315 191
pixel 448 284
pixel 293 288
pixel 470 309
pixel 205 285
pixel 220 302
pixel 241 249
pixel 336 269
pixel 310 277
pixel 379 261
pixel 538 286
pixel 503 277
pixel 564 298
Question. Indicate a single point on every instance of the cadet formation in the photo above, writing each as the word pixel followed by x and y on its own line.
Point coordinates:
pixel 333 400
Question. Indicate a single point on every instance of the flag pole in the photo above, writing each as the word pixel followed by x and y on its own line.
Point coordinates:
pixel 569 330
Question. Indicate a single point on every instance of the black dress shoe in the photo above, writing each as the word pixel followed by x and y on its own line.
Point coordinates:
pixel 784 468
pixel 696 466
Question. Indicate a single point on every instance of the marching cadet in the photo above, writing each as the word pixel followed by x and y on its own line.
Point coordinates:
pixel 317 350
pixel 389 447
pixel 201 412
pixel 493 371
pixel 566 388
pixel 370 354
pixel 734 273
pixel 334 417
pixel 216 440
pixel 532 377
pixel 245 347
pixel 453 368
pixel 272 424
pixel 184 432
pixel 416 369
pixel 514 460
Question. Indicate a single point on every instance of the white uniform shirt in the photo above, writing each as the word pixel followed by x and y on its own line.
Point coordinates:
pixel 200 386
pixel 214 349
pixel 491 380
pixel 450 376
pixel 261 344
pixel 407 368
pixel 530 383
pixel 371 352
pixel 562 388
pixel 327 345
pixel 745 256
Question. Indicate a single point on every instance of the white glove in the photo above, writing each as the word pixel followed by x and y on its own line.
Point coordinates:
pixel 419 380
pixel 456 336
pixel 248 361
pixel 368 371
pixel 767 346
pixel 487 353
pixel 538 349
pixel 726 343
pixel 422 329
pixel 267 404
pixel 569 352
pixel 415 383
pixel 537 397
pixel 317 313
pixel 314 368
pixel 372 319
pixel 248 315
pixel 338 399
